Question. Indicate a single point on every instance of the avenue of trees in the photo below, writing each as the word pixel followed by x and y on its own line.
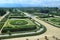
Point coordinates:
pixel 49 10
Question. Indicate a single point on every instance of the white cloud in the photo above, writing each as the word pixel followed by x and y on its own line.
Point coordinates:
pixel 20 1
pixel 9 1
pixel 35 1
pixel 32 2
pixel 26 1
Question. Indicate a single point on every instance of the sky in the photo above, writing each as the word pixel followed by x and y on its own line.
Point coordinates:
pixel 29 3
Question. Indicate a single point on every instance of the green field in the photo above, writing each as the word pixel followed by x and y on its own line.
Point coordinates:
pixel 42 15
pixel 14 25
pixel 17 14
pixel 53 21
pixel 1 24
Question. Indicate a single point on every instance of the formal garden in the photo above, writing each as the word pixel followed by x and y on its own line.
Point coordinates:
pixel 21 27
pixel 54 21
pixel 43 15
pixel 18 25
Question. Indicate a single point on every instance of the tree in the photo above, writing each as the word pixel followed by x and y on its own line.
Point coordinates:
pixel 44 11
pixel 9 32
pixel 2 12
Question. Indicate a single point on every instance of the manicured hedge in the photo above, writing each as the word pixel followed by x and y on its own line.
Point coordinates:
pixel 19 28
pixel 44 30
pixel 17 17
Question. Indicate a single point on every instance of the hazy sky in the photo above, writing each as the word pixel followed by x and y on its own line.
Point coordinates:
pixel 49 3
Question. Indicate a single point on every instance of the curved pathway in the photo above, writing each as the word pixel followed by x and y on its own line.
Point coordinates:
pixel 51 31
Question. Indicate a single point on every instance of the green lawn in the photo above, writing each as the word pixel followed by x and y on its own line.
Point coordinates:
pixel 54 21
pixel 1 24
pixel 17 14
pixel 18 22
pixel 42 15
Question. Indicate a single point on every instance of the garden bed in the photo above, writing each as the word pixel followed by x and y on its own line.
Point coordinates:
pixel 53 21
pixel 14 25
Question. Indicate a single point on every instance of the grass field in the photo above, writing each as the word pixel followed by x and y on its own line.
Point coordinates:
pixel 42 15
pixel 15 14
pixel 1 24
pixel 14 25
pixel 53 21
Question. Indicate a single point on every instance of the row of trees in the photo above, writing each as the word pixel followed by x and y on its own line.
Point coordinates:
pixel 49 10
pixel 2 11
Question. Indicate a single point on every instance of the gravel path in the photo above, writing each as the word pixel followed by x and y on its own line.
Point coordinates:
pixel 51 31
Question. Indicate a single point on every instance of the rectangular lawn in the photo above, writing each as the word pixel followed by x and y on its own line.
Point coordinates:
pixel 53 21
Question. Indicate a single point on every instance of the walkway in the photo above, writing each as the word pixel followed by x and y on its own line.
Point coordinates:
pixel 51 31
